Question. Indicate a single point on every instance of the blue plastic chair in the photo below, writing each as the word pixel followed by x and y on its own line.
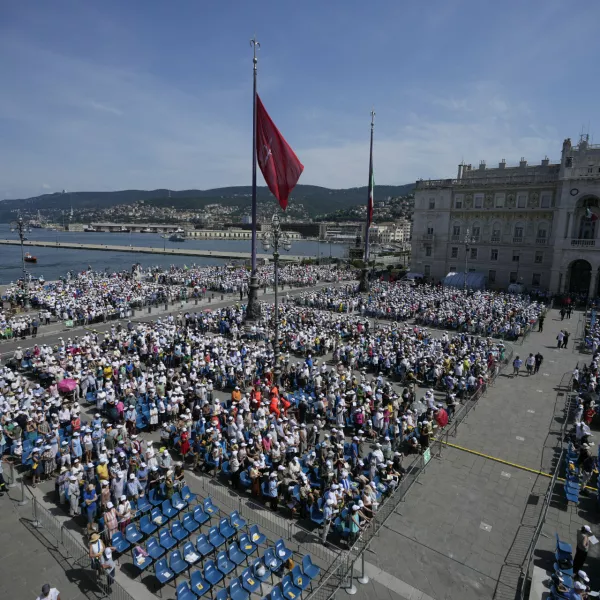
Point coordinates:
pixel 262 578
pixel 143 562
pixel 256 536
pixel 168 509
pixel 176 562
pixel 188 495
pixel 290 591
pixel 245 479
pixel 204 546
pixel 310 569
pixel 236 591
pixel 224 564
pixel 157 517
pixel 299 579
pixel 184 592
pixel 162 571
pixel 222 595
pixel 282 552
pixel 119 542
pixel 153 497
pixel 143 505
pixel 199 585
pixel 276 594
pixel 271 561
pixel 200 516
pixel 235 554
pixel 189 522
pixel 236 520
pixel 247 546
pixel 154 549
pixel 209 507
pixel 249 582
pixel 226 529
pixel 178 531
pixel 147 527
pixel 187 550
pixel 166 540
pixel 178 502
pixel 211 573
pixel 215 537
pixel 132 534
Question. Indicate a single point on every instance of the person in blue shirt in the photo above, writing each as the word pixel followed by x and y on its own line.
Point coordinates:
pixel 90 499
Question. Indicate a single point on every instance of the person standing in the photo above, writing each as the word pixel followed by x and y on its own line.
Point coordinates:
pixel 538 362
pixel 559 338
pixel 530 363
pixel 565 339
pixel 49 593
pixel 583 545
pixel 541 323
pixel 107 564
pixel 517 364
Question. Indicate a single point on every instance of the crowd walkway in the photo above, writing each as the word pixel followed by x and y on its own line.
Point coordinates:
pixel 461 533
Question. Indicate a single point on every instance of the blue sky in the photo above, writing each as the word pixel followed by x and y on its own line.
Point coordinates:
pixel 147 94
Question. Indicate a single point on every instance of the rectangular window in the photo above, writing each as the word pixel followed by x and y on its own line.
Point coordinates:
pixel 499 201
pixel 541 233
pixel 458 201
pixel 476 233
pixel 546 200
pixel 515 257
pixel 536 279
pixel 491 276
pixel 428 251
pixel 429 230
pixel 539 257
pixel 427 270
pixel 495 235
pixel 521 200
pixel 471 270
pixel 454 252
pixel 431 203
pixel 512 277
pixel 473 253
pixel 456 230
pixel 518 232
pixel 478 200
pixel 453 269
pixel 494 254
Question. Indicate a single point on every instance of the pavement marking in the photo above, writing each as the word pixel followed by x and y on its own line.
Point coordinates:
pixel 520 439
pixel 531 411
pixel 540 391
pixel 399 587
pixel 546 374
pixel 485 526
pixel 505 474
pixel 552 361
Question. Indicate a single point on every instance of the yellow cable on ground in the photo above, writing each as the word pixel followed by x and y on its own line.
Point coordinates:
pixel 510 464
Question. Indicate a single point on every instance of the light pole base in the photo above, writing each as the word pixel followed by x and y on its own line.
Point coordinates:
pixel 253 312
pixel 363 286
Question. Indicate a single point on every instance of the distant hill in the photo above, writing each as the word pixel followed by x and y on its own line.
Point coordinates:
pixel 315 199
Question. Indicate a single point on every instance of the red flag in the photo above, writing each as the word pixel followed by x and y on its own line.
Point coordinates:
pixel 278 163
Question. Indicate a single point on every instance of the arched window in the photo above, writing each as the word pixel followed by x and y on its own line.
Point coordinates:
pixel 475 232
pixel 496 231
pixel 456 231
pixel 519 231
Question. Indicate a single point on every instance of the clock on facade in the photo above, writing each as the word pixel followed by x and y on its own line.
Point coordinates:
pixel 574 192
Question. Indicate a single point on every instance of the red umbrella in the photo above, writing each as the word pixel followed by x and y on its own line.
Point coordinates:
pixel 67 385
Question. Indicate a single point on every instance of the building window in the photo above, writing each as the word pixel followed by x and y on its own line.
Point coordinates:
pixel 476 233
pixel 546 200
pixel 431 203
pixel 454 252
pixel 541 233
pixel 458 202
pixel 427 270
pixel 478 200
pixel 453 268
pixel 539 257
pixel 521 200
pixel 429 230
pixel 519 232
pixel 515 256
pixel 512 277
pixel 499 201
pixel 491 276
pixel 473 253
pixel 428 251
pixel 494 254
pixel 496 235
pixel 471 270
pixel 456 230
pixel 536 279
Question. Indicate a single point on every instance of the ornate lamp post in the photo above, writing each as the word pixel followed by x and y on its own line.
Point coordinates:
pixel 275 237
pixel 468 241
pixel 21 228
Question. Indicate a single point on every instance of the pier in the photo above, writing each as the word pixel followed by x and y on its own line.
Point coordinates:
pixel 221 254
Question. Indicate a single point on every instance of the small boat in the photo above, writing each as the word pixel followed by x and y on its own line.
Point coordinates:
pixel 90 229
pixel 124 230
pixel 176 237
pixel 147 230
pixel 29 258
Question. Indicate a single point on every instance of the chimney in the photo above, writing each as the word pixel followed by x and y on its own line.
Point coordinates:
pixel 522 163
pixel 482 165
pixel 545 161
pixel 502 164
pixel 460 171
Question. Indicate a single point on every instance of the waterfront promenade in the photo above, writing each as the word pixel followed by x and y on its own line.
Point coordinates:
pixel 223 254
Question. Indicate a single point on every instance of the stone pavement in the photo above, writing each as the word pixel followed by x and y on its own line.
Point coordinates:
pixel 464 531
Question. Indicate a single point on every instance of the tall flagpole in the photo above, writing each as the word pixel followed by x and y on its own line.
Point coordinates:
pixel 364 281
pixel 253 308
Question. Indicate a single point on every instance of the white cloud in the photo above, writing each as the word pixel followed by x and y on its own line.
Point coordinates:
pixel 105 108
pixel 46 186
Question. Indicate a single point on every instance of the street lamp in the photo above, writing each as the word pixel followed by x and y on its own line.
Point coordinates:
pixel 21 228
pixel 468 241
pixel 274 236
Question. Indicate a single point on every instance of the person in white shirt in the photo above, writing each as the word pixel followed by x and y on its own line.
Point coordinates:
pixel 49 593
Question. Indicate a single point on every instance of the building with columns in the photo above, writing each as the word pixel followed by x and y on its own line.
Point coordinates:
pixel 535 225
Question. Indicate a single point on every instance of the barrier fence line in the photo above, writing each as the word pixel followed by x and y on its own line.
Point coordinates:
pixel 526 566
